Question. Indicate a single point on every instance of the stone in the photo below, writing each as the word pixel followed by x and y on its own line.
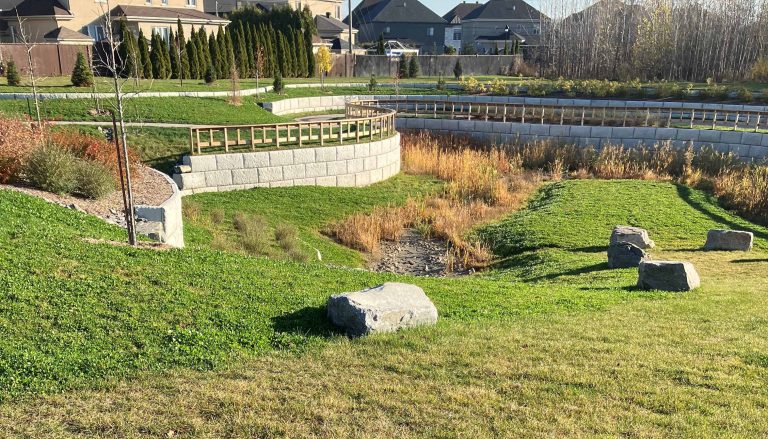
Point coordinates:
pixel 625 255
pixel 729 240
pixel 668 276
pixel 632 235
pixel 385 308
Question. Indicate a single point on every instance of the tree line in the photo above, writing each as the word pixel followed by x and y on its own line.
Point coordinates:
pixel 691 40
pixel 255 44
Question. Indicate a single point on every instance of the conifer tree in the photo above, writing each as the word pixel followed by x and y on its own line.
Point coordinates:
pixel 222 65
pixel 174 55
pixel 12 74
pixel 146 63
pixel 250 46
pixel 157 58
pixel 128 52
pixel 242 53
pixel 380 49
pixel 213 48
pixel 181 44
pixel 229 54
pixel 284 55
pixel 82 76
pixel 301 54
pixel 166 53
pixel 194 62
pixel 402 67
pixel 202 47
pixel 413 68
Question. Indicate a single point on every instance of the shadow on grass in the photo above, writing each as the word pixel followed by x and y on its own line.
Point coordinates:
pixel 593 249
pixel 749 261
pixel 306 322
pixel 685 193
pixel 603 266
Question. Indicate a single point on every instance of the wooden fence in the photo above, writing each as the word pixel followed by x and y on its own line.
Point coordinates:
pixel 47 59
pixel 361 122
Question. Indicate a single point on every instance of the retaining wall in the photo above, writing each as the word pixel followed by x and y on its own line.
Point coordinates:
pixel 353 165
pixel 168 216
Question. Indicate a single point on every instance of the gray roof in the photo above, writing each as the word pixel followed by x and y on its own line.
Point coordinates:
pixel 394 11
pixel 329 24
pixel 170 13
pixel 37 8
pixel 505 10
pixel 64 34
pixel 461 10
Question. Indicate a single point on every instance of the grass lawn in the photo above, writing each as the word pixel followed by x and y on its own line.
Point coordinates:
pixel 224 345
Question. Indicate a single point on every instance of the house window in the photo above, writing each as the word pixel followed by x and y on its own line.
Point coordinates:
pixel 164 2
pixel 149 2
pixel 387 30
pixel 298 5
pixel 191 2
pixel 431 31
pixel 95 31
pixel 164 32
pixel 457 35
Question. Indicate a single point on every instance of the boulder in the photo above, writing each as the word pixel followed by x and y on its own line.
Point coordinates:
pixel 668 276
pixel 625 255
pixel 385 308
pixel 632 235
pixel 729 240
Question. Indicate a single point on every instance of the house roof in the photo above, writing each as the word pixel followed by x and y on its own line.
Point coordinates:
pixel 329 24
pixel 461 10
pixel 38 8
pixel 604 8
pixel 505 10
pixel 502 37
pixel 64 34
pixel 394 11
pixel 165 13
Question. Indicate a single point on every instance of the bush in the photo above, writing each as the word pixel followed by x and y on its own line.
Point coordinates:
pixel 94 180
pixel 277 84
pixel 441 83
pixel 12 74
pixel 413 68
pixel 52 169
pixel 458 70
pixel 92 148
pixel 17 140
pixel 743 94
pixel 759 71
pixel 373 84
pixel 82 76
pixel 210 75
pixel 498 87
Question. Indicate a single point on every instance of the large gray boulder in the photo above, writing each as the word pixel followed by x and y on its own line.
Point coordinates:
pixel 668 276
pixel 385 308
pixel 632 235
pixel 729 240
pixel 625 255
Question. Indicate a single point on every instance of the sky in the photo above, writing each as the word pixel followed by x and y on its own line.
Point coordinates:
pixel 439 6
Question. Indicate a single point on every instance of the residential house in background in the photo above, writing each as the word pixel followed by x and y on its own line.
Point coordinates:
pixel 406 21
pixel 82 21
pixel 499 22
pixel 318 7
pixel 335 34
pixel 453 29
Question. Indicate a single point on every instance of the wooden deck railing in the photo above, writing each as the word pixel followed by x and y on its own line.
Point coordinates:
pixel 361 122
pixel 626 116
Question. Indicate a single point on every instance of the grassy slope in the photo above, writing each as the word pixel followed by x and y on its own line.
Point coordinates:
pixel 514 353
pixel 319 207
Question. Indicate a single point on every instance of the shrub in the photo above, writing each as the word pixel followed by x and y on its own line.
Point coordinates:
pixel 92 148
pixel 210 75
pixel 441 83
pixel 12 74
pixel 458 70
pixel 413 68
pixel 498 87
pixel 538 87
pixel 94 180
pixel 277 84
pixel 52 169
pixel 759 72
pixel 252 233
pixel 82 76
pixel 373 84
pixel 743 94
pixel 472 85
pixel 17 140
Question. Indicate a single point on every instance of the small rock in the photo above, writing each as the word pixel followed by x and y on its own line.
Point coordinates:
pixel 625 255
pixel 385 308
pixel 74 206
pixel 668 276
pixel 729 240
pixel 632 235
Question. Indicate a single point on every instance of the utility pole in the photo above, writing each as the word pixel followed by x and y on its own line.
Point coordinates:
pixel 350 37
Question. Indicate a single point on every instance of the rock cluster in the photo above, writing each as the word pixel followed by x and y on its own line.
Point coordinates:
pixel 625 255
pixel 729 240
pixel 633 235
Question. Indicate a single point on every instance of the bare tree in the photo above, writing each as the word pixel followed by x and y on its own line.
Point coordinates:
pixel 258 67
pixel 29 46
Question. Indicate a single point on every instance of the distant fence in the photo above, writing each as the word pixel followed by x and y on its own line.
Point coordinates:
pixel 429 65
pixel 49 59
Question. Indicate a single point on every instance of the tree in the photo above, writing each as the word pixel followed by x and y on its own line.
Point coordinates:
pixel 182 55
pixel 12 74
pixel 146 62
pixel 413 67
pixel 158 59
pixel 458 70
pixel 29 46
pixel 323 61
pixel 210 74
pixel 277 84
pixel 402 67
pixel 258 65
pixel 128 51
pixel 216 59
pixel 173 53
pixel 380 50
pixel 82 76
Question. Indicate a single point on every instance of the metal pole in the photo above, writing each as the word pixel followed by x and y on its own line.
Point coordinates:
pixel 350 39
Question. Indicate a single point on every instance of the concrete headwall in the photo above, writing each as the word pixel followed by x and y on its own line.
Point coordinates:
pixel 353 165
pixel 168 217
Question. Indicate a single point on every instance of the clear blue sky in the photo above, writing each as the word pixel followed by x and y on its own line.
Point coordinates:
pixel 439 6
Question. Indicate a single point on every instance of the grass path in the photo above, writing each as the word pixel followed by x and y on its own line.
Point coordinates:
pixel 140 344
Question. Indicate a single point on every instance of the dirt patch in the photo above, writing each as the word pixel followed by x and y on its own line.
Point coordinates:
pixel 142 245
pixel 415 255
pixel 149 188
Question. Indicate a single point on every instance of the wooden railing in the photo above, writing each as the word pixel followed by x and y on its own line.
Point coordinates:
pixel 626 116
pixel 361 122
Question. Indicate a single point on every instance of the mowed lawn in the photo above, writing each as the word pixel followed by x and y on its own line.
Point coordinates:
pixel 195 343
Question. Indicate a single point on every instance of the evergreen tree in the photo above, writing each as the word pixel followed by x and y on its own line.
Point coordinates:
pixel 380 50
pixel 458 70
pixel 285 56
pixel 213 48
pixel 309 28
pixel 294 51
pixel 242 52
pixel 194 62
pixel 166 53
pixel 202 47
pixel 12 74
pixel 229 54
pixel 277 84
pixel 157 58
pixel 82 76
pixel 275 54
pixel 210 74
pixel 413 68
pixel 182 54
pixel 250 46
pixel 222 65
pixel 301 54
pixel 174 56
pixel 128 52
pixel 506 47
pixel 146 63
pixel 402 67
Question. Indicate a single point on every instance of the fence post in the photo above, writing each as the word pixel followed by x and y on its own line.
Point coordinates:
pixel 322 136
pixel 736 122
pixel 277 136
pixel 714 120
pixel 191 141
pixel 253 138
pixel 757 125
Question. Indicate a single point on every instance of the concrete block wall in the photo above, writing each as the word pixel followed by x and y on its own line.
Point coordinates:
pixel 353 165
pixel 748 146
pixel 168 215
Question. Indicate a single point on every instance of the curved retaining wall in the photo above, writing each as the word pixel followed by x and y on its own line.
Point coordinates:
pixel 167 217
pixel 747 145
pixel 353 165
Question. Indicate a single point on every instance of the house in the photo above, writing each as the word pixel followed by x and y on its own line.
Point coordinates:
pixel 82 21
pixel 334 33
pixel 453 18
pixel 500 22
pixel 318 7
pixel 407 21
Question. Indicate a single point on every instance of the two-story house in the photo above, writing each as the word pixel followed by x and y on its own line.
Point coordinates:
pixel 318 7
pixel 453 18
pixel 82 21
pixel 501 22
pixel 407 21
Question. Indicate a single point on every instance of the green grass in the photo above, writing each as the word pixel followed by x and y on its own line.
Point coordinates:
pixel 559 347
